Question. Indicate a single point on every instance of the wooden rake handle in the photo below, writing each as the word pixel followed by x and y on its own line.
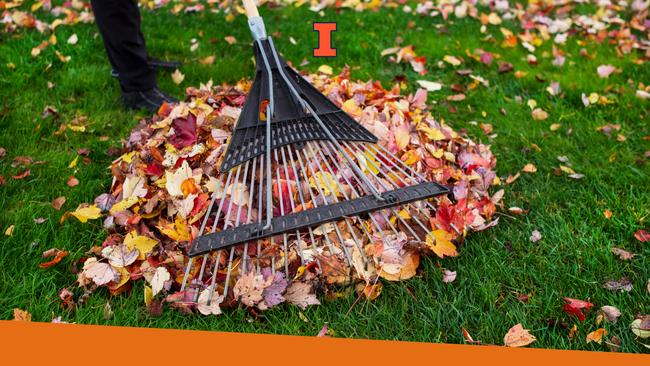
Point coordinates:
pixel 251 9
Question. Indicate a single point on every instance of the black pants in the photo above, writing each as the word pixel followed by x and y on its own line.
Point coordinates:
pixel 119 25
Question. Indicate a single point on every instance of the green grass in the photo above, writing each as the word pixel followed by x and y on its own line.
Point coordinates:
pixel 573 258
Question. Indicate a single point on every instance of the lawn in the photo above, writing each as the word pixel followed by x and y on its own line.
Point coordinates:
pixel 572 259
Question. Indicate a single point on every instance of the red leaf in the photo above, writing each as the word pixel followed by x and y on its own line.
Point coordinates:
pixel 573 311
pixel 73 181
pixel 22 175
pixel 578 304
pixel 56 260
pixel 184 131
pixel 642 235
pixel 2 180
pixel 486 58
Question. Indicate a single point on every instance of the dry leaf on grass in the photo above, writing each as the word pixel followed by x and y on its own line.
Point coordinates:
pixel 611 313
pixel 158 281
pixel 102 273
pixel 22 316
pixel 299 294
pixel 596 336
pixel 518 337
pixel 625 255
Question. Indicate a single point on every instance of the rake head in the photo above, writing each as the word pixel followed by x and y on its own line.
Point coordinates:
pixel 302 181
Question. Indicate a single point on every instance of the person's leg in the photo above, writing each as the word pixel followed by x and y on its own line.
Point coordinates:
pixel 119 24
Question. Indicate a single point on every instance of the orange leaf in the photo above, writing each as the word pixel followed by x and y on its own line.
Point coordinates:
pixel 188 187
pixel 22 316
pixel 596 336
pixel 21 176
pixel 607 214
pixel 56 260
pixel 530 168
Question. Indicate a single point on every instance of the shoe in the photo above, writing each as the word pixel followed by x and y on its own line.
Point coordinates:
pixel 151 99
pixel 156 64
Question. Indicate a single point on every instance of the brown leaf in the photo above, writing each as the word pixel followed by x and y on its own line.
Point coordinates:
pixel 83 151
pixel 22 316
pixel 456 97
pixel 505 67
pixel 614 344
pixel 518 211
pixel 596 336
pixel 625 255
pixel 518 337
pixel 51 253
pixel 21 160
pixel 624 284
pixel 448 276
pixel 611 312
pixel 58 202
pixel 299 294
pixel 323 332
pixel 511 179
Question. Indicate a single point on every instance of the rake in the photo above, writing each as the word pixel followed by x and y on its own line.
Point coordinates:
pixel 299 178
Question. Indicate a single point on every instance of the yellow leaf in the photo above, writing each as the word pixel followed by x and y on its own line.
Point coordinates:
pixel 530 168
pixel 532 104
pixel 177 231
pixel 124 204
pixel 438 153
pixel 442 245
pixel 10 231
pixel 494 19
pixel 351 108
pixel 177 77
pixel 506 32
pixel 555 126
pixel 142 243
pixel 452 60
pixel 539 114
pixel 37 6
pixel 325 69
pixel 621 138
pixel 86 212
pixel 567 170
pixel 77 128
pixel 128 158
pixel 432 133
pixel 299 272
pixel 593 98
pixel 323 180
pixel 518 336
pixel 148 294
pixel 596 336
pixel 74 162
pixel 520 74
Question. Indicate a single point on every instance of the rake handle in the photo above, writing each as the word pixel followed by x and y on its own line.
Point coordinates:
pixel 251 9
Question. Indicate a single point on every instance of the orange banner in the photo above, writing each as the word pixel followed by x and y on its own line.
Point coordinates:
pixel 46 343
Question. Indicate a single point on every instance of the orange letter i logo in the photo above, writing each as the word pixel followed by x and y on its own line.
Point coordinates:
pixel 324 40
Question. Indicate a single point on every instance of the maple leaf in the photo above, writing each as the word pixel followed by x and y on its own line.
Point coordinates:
pixel 273 293
pixel 574 306
pixel 143 244
pixel 184 132
pixel 441 245
pixel 249 288
pixel 58 202
pixel 642 236
pixel 536 236
pixel 517 336
pixel 122 256
pixel 213 308
pixel 299 294
pixel 177 77
pixel 611 312
pixel 101 273
pixel 87 212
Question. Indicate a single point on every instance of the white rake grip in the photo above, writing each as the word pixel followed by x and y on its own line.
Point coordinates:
pixel 251 9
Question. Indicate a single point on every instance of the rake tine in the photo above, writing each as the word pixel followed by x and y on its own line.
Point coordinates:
pixel 281 201
pixel 214 276
pixel 338 233
pixel 399 217
pixel 259 242
pixel 225 225
pixel 347 221
pixel 205 259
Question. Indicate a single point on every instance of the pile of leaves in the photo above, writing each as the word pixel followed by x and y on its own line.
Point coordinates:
pixel 167 171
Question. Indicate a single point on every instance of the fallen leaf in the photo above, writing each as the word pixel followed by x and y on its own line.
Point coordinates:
pixel 607 214
pixel 23 175
pixel 325 69
pixel 73 39
pixel 73 181
pixel 214 307
pixel 611 312
pixel 518 337
pixel 230 40
pixel 22 316
pixel 456 97
pixel 143 244
pixel 530 168
pixel 539 114
pixel 518 211
pixel 536 236
pixel 596 336
pixel 56 260
pixel 625 255
pixel 177 77
pixel 158 280
pixel 614 344
pixel 429 85
pixel 452 60
pixel 58 202
pixel 122 256
pixel 623 284
pixel 642 235
pixel 511 179
pixel 102 273
pixel 641 327
pixel 323 331
pixel 86 212
pixel 604 71
pixel 10 231
pixel 448 276
pixel 299 294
